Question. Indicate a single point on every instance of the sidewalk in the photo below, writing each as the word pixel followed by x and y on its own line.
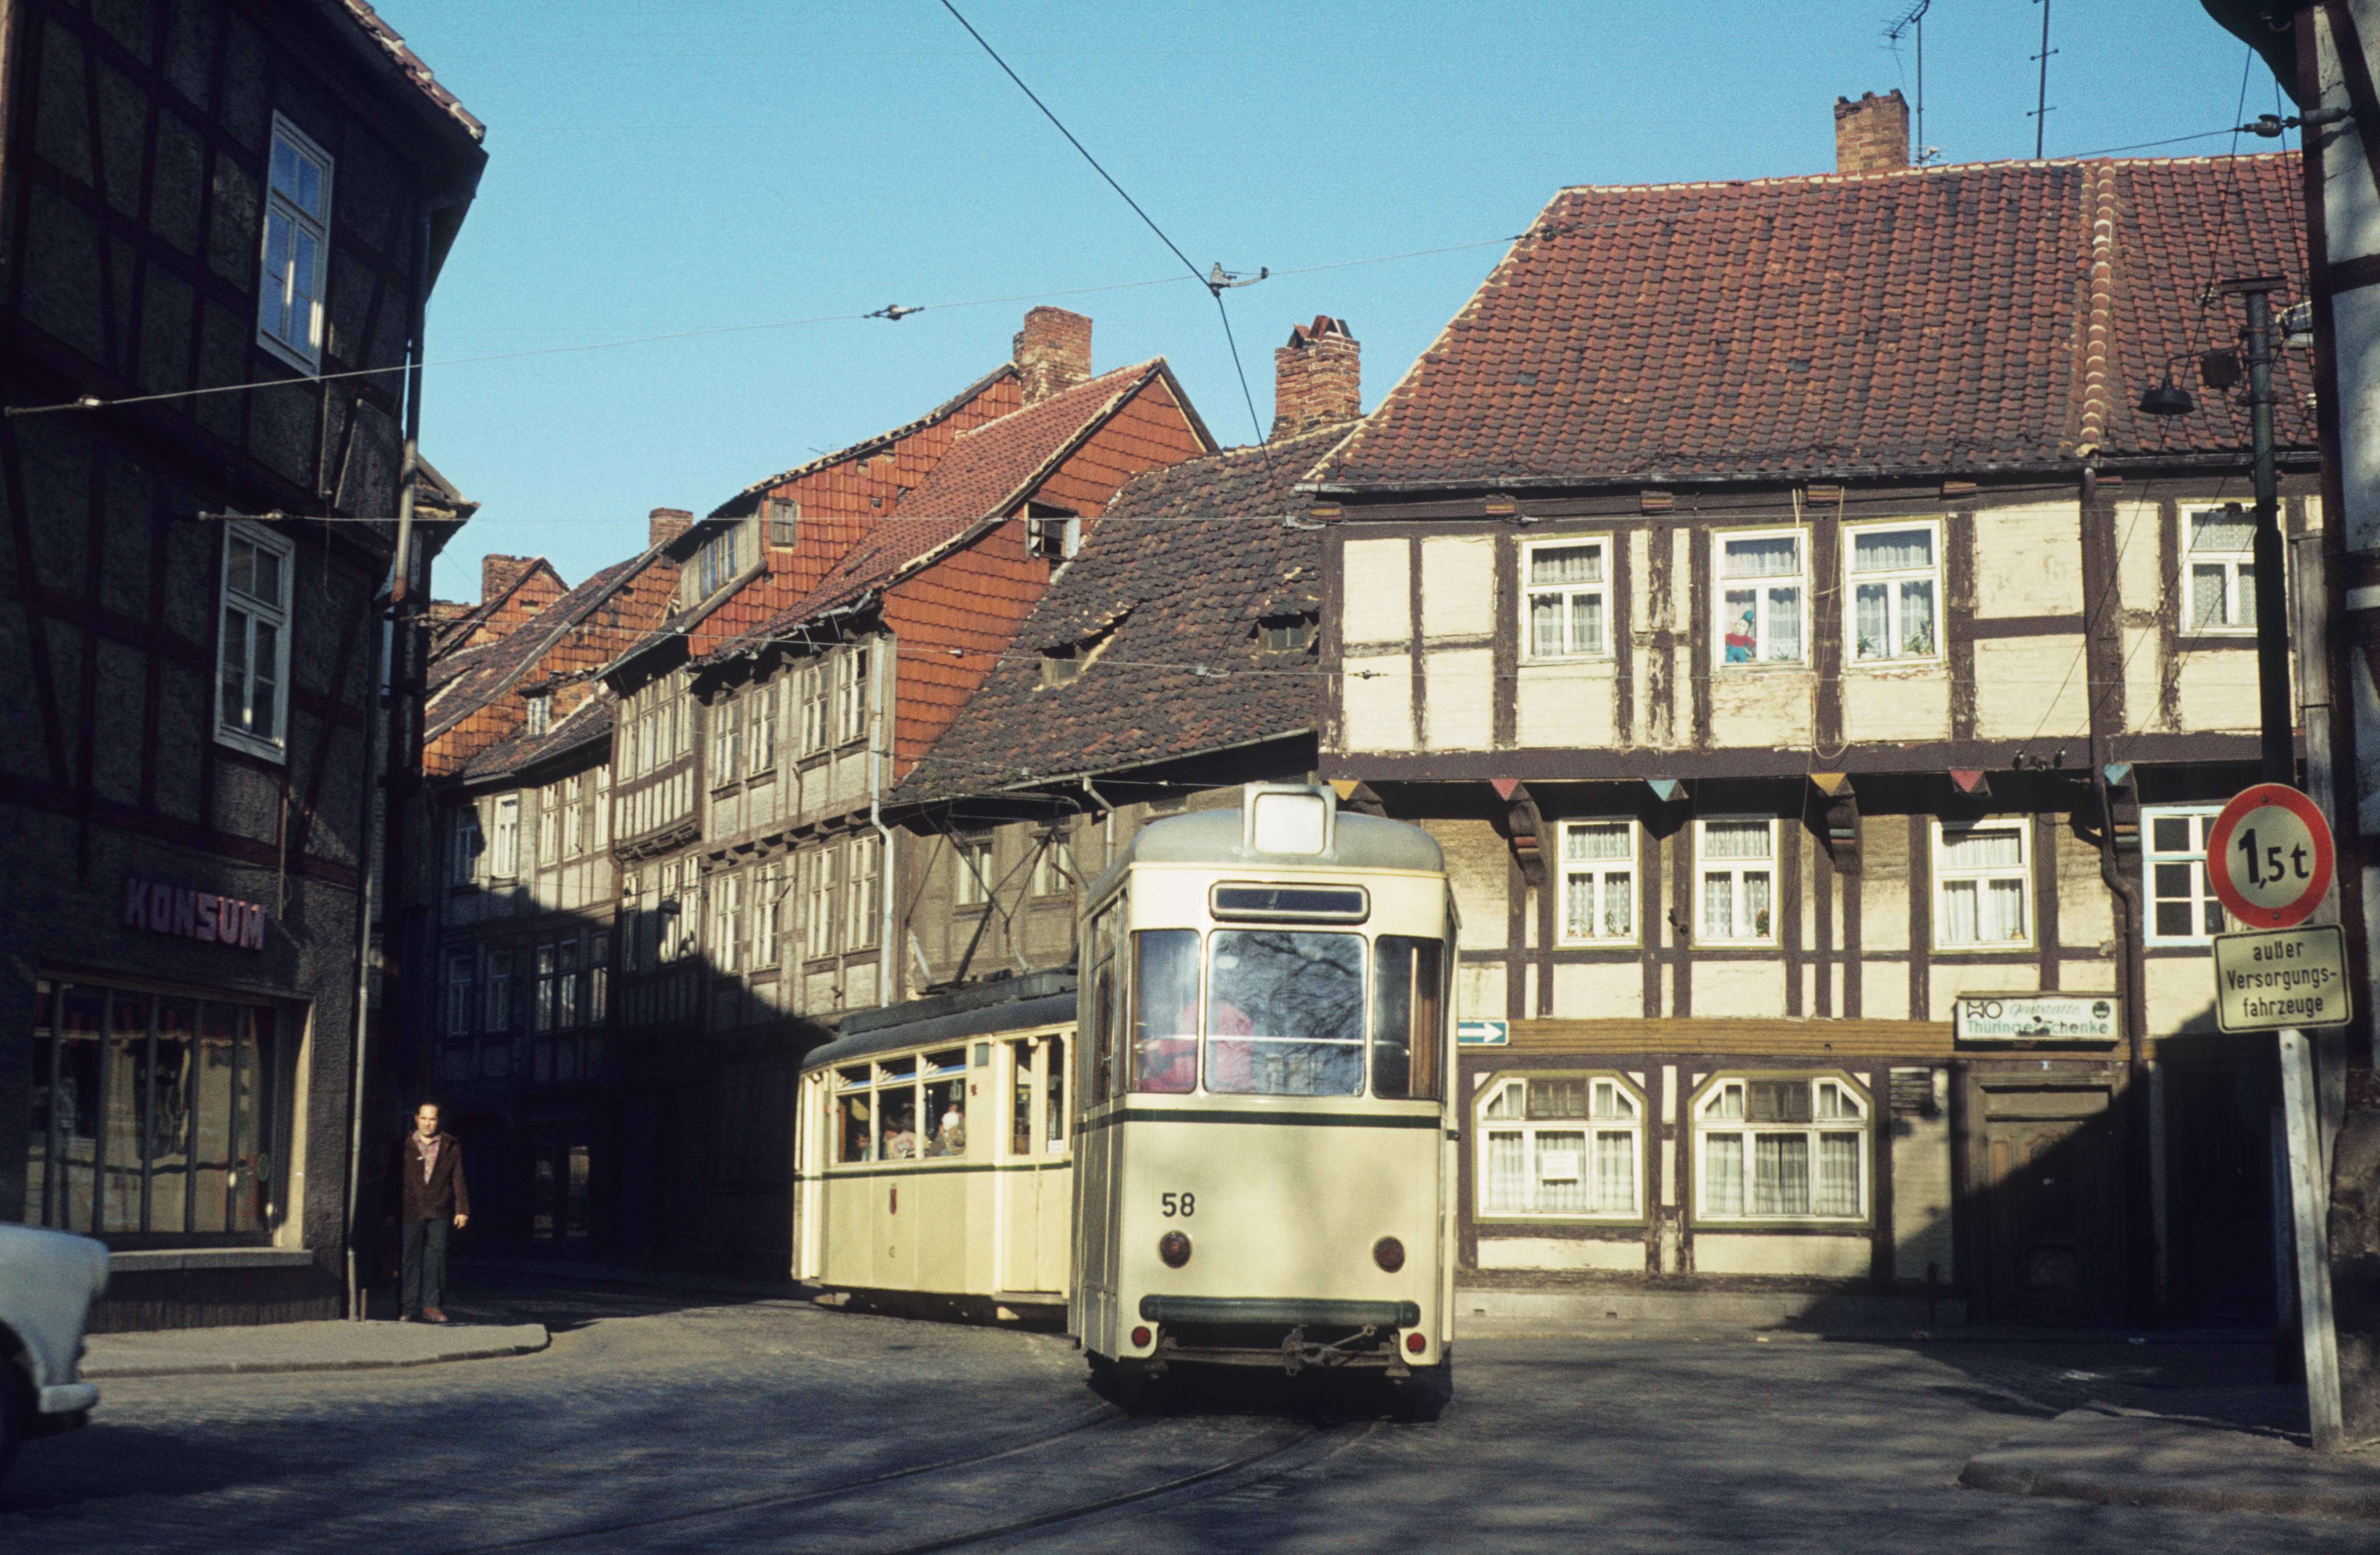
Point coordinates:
pixel 2124 1457
pixel 325 1346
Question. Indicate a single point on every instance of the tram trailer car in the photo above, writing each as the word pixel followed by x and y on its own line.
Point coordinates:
pixel 1263 1166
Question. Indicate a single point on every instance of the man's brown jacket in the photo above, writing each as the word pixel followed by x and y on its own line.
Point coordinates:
pixel 445 1194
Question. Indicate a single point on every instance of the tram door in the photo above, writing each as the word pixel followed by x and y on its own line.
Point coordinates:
pixel 1020 1218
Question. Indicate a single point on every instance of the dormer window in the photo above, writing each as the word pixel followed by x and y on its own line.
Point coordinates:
pixel 1051 533
pixel 539 713
pixel 721 560
pixel 783 517
pixel 1060 666
pixel 1284 634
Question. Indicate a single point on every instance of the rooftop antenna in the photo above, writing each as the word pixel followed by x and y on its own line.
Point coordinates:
pixel 2041 108
pixel 1911 22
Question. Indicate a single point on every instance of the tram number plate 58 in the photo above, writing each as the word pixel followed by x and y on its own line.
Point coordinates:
pixel 1183 1204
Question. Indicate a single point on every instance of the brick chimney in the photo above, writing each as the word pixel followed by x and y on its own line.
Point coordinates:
pixel 1872 135
pixel 498 573
pixel 1053 352
pixel 1316 378
pixel 666 524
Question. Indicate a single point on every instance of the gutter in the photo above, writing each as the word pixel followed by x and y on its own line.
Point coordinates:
pixel 361 1035
pixel 2296 457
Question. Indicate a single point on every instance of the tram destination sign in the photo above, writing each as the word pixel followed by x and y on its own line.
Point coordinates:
pixel 2282 978
pixel 2034 1017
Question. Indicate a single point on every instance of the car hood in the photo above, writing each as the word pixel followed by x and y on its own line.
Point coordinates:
pixel 48 1279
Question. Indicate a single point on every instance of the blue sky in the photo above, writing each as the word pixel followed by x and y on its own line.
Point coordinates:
pixel 726 163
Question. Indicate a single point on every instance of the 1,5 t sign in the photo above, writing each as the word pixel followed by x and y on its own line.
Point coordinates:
pixel 2270 857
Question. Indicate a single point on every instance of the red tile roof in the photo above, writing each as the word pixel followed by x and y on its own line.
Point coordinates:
pixel 1957 319
pixel 410 64
pixel 989 470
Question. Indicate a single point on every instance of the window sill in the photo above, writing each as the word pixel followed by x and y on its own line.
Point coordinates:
pixel 1560 1218
pixel 1914 661
pixel 1786 1224
pixel 1732 944
pixel 274 752
pixel 272 345
pixel 1628 944
pixel 1761 665
pixel 1569 660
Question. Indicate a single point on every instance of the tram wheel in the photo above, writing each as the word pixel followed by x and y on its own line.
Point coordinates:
pixel 1130 1386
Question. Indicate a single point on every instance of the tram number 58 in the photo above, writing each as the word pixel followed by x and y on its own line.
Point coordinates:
pixel 1183 1204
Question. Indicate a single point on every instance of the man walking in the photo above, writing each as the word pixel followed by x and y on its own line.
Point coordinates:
pixel 432 1196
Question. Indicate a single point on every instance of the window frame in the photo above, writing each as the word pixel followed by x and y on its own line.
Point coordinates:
pixel 818 902
pixel 278 615
pixel 467 845
pixel 462 991
pixel 306 355
pixel 1719 582
pixel 972 885
pixel 1636 1127
pixel 1700 1126
pixel 2202 822
pixel 2235 595
pixel 1704 863
pixel 1601 869
pixel 1892 578
pixel 1942 876
pixel 504 839
pixel 1599 542
pixel 862 879
pixel 850 695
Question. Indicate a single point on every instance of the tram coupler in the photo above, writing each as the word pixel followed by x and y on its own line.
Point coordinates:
pixel 1296 1355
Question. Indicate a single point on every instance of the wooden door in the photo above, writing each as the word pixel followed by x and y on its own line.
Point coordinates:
pixel 2050 1206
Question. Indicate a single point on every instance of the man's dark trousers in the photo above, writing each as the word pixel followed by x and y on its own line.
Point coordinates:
pixel 425 1265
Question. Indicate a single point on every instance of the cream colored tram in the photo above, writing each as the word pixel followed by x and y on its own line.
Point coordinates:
pixel 1263 1175
pixel 933 1171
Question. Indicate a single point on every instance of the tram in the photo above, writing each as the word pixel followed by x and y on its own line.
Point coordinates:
pixel 1263 1172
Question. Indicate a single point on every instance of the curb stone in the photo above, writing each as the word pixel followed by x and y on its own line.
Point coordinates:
pixel 102 1371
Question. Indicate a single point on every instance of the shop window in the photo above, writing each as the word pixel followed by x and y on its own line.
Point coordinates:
pixel 1736 861
pixel 297 248
pixel 1569 599
pixel 1598 863
pixel 1983 885
pixel 1896 579
pixel 2220 571
pixel 1791 1148
pixel 943 1119
pixel 252 653
pixel 1165 1011
pixel 153 1115
pixel 1568 1146
pixel 2183 908
pixel 1762 586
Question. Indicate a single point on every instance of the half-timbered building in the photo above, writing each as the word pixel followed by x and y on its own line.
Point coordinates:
pixel 1821 677
pixel 219 223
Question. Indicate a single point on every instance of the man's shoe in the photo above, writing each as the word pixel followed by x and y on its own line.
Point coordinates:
pixel 405 1316
pixel 432 1315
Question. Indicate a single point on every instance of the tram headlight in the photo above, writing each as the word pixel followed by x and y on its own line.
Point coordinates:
pixel 1175 1248
pixel 1388 1253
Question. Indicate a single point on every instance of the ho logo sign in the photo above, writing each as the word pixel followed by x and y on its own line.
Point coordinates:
pixel 2270 857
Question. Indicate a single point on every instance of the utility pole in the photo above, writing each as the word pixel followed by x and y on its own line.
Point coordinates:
pixel 2274 702
pixel 2041 102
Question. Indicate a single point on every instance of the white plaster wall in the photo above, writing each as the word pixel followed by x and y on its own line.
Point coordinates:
pixel 1375 603
pixel 2218 690
pixel 1884 990
pixel 2024 685
pixel 1997 976
pixel 1739 987
pixel 2029 560
pixel 1921 1197
pixel 1758 707
pixel 1480 991
pixel 1560 1252
pixel 2086 976
pixel 1458 586
pixel 1912 704
pixel 2143 679
pixel 1478 866
pixel 1600 991
pixel 1566 704
pixel 2084 917
pixel 1376 703
pixel 1884 882
pixel 1841 1258
pixel 1461 712
pixel 2180 994
pixel 2140 577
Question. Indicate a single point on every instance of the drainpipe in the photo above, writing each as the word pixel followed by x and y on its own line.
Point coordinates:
pixel 884 886
pixel 366 893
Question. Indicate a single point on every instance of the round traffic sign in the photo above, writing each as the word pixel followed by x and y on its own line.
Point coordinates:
pixel 2270 857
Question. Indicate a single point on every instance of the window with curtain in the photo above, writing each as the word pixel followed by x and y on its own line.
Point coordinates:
pixel 2183 908
pixel 1896 580
pixel 1598 864
pixel 1566 1146
pixel 1781 1149
pixel 1983 884
pixel 2220 571
pixel 1569 596
pixel 1736 862
pixel 1762 589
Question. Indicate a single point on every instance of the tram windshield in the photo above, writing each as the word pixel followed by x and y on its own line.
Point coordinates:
pixel 1285 1014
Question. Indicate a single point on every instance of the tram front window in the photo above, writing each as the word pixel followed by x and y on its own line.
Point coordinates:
pixel 1406 1015
pixel 1165 1010
pixel 1285 1014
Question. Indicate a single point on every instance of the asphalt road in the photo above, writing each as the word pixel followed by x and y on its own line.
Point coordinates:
pixel 659 1423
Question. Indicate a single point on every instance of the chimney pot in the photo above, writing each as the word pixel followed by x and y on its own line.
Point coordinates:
pixel 666 524
pixel 1052 353
pixel 1317 378
pixel 1872 135
pixel 498 572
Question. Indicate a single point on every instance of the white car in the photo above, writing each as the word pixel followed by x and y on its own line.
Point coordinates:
pixel 48 1279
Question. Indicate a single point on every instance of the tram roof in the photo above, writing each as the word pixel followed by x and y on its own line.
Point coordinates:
pixel 1218 837
pixel 1015 1015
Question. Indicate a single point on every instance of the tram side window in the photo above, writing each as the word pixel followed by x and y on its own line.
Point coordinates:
pixel 1020 1126
pixel 1285 1014
pixel 1165 1010
pixel 854 1115
pixel 1053 1132
pixel 945 1119
pixel 1103 993
pixel 1407 1015
pixel 898 1125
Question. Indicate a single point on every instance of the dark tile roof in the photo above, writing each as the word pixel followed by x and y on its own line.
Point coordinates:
pixel 992 469
pixel 588 724
pixel 1170 584
pixel 464 681
pixel 411 66
pixel 1956 319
